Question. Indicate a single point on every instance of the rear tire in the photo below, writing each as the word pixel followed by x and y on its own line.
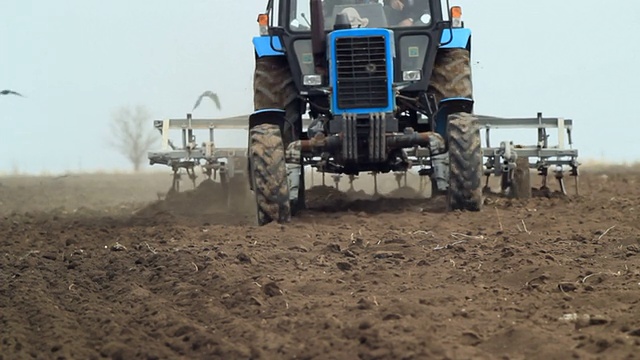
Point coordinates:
pixel 274 88
pixel 451 76
pixel 269 174
pixel 465 163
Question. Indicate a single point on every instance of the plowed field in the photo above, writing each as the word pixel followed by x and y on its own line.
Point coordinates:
pixel 95 267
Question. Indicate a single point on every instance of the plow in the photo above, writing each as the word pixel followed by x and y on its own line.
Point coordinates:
pixel 342 87
pixel 226 165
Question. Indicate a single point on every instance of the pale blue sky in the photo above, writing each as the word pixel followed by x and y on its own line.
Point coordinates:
pixel 78 60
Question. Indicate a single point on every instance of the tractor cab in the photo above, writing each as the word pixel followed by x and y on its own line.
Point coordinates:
pixel 415 30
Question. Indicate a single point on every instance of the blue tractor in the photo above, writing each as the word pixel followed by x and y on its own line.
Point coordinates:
pixel 383 86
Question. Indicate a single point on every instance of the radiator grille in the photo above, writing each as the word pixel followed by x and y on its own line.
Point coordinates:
pixel 361 72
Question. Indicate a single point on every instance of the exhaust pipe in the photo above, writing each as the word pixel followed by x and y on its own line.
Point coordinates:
pixel 318 36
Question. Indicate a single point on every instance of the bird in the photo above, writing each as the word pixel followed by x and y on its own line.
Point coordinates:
pixel 211 95
pixel 10 92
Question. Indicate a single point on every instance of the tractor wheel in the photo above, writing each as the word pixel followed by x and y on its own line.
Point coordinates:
pixel 269 174
pixel 451 75
pixel 465 163
pixel 273 88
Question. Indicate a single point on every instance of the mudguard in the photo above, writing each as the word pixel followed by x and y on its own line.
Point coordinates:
pixel 461 38
pixel 449 106
pixel 263 46
pixel 268 116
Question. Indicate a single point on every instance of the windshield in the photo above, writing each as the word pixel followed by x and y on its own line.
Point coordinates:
pixel 363 13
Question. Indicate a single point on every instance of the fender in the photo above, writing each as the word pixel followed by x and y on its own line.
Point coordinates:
pixel 268 116
pixel 450 106
pixel 461 39
pixel 262 45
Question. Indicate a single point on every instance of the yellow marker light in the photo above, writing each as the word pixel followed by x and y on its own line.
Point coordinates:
pixel 456 16
pixel 263 22
pixel 456 12
pixel 263 19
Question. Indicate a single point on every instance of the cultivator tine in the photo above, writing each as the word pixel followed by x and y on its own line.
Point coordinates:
pixel 351 179
pixel 560 178
pixel 562 187
pixel 192 176
pixel 501 159
pixel 486 189
pixel 423 184
pixel 175 183
pixel 336 180
pixel 399 179
pixel 574 172
pixel 375 182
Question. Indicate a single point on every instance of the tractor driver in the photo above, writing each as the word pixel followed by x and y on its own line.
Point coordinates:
pixel 404 12
pixel 330 4
pixel 353 14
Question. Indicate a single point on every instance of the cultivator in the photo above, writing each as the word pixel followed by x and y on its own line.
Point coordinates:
pixel 505 161
pixel 225 164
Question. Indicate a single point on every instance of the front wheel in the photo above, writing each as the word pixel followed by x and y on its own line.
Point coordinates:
pixel 269 174
pixel 465 163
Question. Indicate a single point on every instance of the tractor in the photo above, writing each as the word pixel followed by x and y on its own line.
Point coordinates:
pixel 380 96
pixel 375 92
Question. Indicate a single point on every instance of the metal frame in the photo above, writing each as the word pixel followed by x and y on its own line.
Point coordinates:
pixel 501 161
pixel 206 155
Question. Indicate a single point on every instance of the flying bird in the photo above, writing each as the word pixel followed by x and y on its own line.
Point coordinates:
pixel 211 95
pixel 10 92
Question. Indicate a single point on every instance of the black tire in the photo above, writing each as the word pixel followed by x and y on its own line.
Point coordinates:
pixel 274 88
pixel 269 174
pixel 451 76
pixel 465 163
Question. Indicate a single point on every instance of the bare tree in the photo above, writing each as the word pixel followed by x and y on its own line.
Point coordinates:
pixel 132 134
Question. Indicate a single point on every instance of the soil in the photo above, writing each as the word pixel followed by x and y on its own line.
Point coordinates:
pixel 97 267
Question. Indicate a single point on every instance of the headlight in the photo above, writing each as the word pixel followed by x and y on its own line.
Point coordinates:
pixel 412 75
pixel 312 80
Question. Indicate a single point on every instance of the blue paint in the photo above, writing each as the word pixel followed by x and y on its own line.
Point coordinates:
pixel 461 37
pixel 262 45
pixel 390 55
pixel 268 110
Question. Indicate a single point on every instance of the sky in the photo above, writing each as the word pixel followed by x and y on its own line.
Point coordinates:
pixel 77 61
